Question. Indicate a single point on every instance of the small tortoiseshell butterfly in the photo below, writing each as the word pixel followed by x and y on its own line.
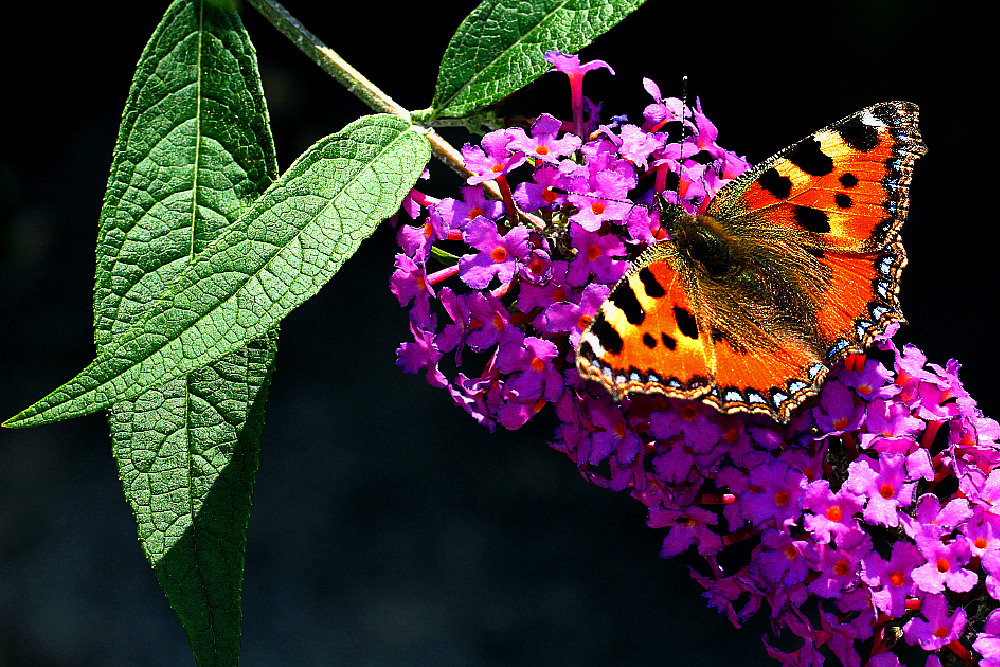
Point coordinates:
pixel 794 265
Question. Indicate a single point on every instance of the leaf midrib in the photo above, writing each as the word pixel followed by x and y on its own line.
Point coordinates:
pixel 189 458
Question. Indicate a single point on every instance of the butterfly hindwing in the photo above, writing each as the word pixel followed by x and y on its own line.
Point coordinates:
pixel 795 265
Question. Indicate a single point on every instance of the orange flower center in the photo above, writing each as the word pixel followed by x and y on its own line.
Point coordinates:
pixel 897 579
pixel 842 568
pixel 593 252
pixel 887 491
pixel 834 513
pixel 597 207
pixel 548 196
pixel 943 565
pixel 781 498
pixel 542 150
pixel 537 365
pixel 499 255
pixel 497 168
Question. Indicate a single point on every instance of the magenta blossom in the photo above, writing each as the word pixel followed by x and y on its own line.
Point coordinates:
pixel 871 515
pixel 494 159
pixel 498 254
pixel 940 626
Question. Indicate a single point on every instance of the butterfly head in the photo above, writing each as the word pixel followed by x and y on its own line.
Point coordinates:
pixel 703 241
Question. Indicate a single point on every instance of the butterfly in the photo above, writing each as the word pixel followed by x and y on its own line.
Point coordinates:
pixel 794 265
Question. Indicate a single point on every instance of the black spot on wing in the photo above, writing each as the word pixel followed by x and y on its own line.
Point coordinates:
pixel 648 341
pixel 650 283
pixel 848 180
pixel 811 220
pixel 624 298
pixel 779 186
pixel 808 156
pixel 857 135
pixel 668 342
pixel 686 322
pixel 606 334
pixel 843 201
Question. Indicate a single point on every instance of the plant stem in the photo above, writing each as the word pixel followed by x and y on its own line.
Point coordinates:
pixel 327 58
pixel 356 83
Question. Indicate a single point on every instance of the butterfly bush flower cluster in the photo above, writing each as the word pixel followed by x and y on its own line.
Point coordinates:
pixel 867 525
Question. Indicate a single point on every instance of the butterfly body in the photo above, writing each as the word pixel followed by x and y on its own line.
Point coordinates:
pixel 794 265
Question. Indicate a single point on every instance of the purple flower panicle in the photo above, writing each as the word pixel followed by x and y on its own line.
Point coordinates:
pixel 877 504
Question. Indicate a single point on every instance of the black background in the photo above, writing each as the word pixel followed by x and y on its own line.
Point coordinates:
pixel 387 527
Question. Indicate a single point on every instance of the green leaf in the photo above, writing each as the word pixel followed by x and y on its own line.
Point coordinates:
pixel 194 151
pixel 498 48
pixel 296 237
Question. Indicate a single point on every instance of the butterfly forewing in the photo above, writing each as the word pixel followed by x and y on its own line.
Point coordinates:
pixel 846 186
pixel 817 226
pixel 647 320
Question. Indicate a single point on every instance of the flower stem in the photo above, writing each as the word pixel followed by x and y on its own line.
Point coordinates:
pixel 355 82
pixel 359 85
pixel 328 59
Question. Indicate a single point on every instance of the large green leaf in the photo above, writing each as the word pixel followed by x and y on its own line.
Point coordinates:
pixel 287 246
pixel 498 48
pixel 194 151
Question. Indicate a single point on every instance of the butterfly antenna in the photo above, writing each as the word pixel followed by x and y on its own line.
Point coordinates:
pixel 684 130
pixel 684 104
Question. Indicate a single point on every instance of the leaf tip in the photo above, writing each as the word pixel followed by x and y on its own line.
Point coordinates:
pixel 12 423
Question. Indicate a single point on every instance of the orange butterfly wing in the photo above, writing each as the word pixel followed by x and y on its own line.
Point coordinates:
pixel 648 316
pixel 839 195
pixel 847 187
